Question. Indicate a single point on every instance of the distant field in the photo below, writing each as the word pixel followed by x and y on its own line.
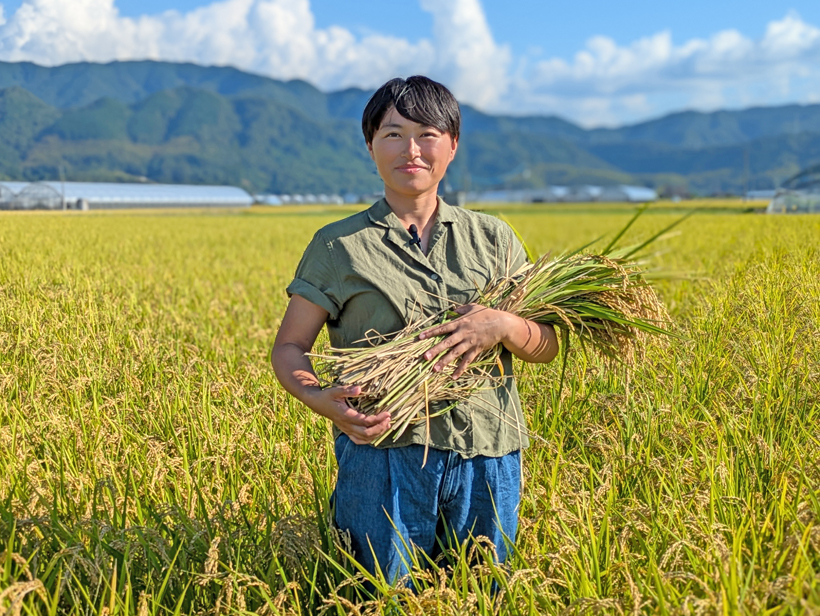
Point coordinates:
pixel 729 205
pixel 150 463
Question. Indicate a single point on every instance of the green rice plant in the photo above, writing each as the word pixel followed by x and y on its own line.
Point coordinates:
pixel 143 432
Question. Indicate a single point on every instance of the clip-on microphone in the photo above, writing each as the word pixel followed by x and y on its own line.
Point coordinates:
pixel 414 232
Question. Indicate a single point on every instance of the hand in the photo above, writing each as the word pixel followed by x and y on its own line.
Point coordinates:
pixel 331 403
pixel 478 329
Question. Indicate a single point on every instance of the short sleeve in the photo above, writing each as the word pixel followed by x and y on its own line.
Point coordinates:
pixel 317 279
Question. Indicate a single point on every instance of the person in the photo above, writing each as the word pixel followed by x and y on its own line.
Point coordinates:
pixel 369 273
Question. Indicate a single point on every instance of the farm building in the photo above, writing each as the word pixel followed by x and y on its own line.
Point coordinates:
pixel 798 195
pixel 584 194
pixel 102 195
pixel 551 194
pixel 631 194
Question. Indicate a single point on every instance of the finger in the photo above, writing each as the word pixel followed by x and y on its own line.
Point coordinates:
pixel 439 330
pixel 455 353
pixel 363 436
pixel 345 391
pixel 454 325
pixel 355 418
pixel 466 360
pixel 375 431
pixel 448 343
pixel 356 439
pixel 373 420
pixel 356 432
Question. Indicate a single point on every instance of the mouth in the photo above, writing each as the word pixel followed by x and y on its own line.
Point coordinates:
pixel 411 168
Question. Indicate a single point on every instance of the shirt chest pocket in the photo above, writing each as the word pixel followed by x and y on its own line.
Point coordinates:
pixel 465 283
pixel 387 299
pixel 391 279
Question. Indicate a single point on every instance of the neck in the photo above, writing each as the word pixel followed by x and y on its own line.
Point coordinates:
pixel 419 210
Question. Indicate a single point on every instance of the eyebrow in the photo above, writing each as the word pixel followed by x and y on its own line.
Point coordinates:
pixel 394 125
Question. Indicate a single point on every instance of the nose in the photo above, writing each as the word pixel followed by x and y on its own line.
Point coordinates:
pixel 412 150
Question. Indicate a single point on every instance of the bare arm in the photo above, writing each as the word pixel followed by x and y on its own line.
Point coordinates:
pixel 301 325
pixel 482 328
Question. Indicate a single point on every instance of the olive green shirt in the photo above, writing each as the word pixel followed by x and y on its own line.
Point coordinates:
pixel 366 274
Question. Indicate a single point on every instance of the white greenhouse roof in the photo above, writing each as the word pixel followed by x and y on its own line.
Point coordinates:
pixel 799 194
pixel 113 195
pixel 630 193
pixel 795 202
pixel 569 194
pixel 15 187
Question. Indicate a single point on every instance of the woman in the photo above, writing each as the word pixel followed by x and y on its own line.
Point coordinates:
pixel 407 256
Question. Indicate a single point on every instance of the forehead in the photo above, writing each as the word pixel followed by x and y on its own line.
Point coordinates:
pixel 394 118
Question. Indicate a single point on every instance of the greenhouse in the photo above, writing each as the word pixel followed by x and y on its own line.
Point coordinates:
pixel 798 195
pixel 102 195
pixel 6 197
pixel 567 194
pixel 37 196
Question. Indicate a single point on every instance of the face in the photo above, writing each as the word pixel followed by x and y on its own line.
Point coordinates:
pixel 411 158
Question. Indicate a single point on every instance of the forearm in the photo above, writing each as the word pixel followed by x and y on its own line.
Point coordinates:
pixel 295 372
pixel 530 341
pixel 300 326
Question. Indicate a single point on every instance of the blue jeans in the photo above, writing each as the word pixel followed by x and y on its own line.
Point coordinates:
pixel 389 503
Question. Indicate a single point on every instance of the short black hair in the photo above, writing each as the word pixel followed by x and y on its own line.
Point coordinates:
pixel 417 98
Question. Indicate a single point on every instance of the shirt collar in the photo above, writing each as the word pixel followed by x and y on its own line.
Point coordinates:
pixel 380 214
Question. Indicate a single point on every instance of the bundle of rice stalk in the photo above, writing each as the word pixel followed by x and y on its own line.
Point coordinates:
pixel 604 300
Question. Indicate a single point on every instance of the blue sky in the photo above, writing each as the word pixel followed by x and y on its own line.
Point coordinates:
pixel 562 28
pixel 594 62
pixel 557 28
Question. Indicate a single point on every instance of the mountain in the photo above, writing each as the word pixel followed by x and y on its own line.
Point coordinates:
pixel 192 136
pixel 693 129
pixel 172 122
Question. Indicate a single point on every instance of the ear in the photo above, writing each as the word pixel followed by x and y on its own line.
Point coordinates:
pixel 454 148
pixel 370 151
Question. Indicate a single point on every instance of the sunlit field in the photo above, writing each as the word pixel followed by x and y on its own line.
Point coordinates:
pixel 151 464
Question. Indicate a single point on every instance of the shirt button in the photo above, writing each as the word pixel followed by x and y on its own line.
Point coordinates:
pixel 433 276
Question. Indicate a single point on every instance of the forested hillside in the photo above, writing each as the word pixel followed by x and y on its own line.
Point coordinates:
pixel 186 123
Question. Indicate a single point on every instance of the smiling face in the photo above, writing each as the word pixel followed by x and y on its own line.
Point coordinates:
pixel 411 158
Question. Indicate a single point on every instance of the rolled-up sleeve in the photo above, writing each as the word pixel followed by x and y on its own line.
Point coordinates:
pixel 317 279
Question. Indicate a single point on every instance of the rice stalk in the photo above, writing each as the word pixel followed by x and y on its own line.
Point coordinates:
pixel 603 300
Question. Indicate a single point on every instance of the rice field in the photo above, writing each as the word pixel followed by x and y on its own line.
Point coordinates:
pixel 150 463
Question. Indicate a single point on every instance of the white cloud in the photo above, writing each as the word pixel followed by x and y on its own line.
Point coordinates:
pixel 791 37
pixel 273 37
pixel 724 69
pixel 467 57
pixel 602 83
